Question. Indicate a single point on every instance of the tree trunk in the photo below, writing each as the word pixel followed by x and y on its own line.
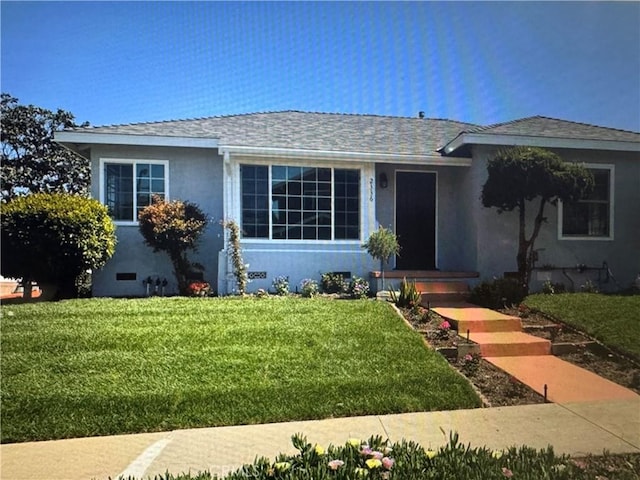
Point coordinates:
pixel 27 290
pixel 526 246
pixel 523 247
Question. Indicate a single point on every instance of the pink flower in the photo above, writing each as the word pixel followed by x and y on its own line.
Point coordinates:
pixel 366 451
pixel 506 472
pixel 335 464
pixel 376 455
pixel 445 325
pixel 468 357
pixel 387 463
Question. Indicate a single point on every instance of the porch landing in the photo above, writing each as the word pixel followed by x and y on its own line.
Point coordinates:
pixel 423 275
pixel 437 287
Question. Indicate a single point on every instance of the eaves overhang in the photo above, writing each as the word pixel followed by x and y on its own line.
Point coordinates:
pixel 77 139
pixel 466 139
pixel 335 155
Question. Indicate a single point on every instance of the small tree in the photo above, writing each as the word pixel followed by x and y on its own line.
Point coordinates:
pixel 381 245
pixel 519 175
pixel 52 238
pixel 174 227
pixel 31 162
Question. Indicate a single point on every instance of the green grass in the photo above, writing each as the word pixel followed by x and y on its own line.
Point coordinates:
pixel 611 319
pixel 106 366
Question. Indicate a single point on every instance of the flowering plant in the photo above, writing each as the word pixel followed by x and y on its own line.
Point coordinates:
pixel 358 288
pixel 199 289
pixel 470 364
pixel 281 285
pixel 443 330
pixel 377 459
pixel 308 288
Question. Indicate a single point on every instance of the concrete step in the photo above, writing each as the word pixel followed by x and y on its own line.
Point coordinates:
pixel 479 320
pixel 442 299
pixel 428 287
pixel 510 344
pixel 442 292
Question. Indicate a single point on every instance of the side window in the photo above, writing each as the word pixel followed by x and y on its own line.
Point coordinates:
pixel 591 216
pixel 129 186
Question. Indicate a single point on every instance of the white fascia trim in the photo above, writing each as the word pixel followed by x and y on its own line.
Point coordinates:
pixel 142 140
pixel 269 152
pixel 549 142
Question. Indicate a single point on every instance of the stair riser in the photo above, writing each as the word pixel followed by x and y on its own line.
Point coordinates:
pixel 515 349
pixel 434 299
pixel 490 326
pixel 442 287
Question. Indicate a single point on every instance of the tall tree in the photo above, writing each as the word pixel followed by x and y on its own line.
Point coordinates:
pixel 31 161
pixel 520 175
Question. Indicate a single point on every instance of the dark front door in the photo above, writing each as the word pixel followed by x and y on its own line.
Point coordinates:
pixel 416 220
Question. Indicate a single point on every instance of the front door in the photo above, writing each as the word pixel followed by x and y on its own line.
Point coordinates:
pixel 416 220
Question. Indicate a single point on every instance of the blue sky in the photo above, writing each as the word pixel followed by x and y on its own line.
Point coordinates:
pixel 121 62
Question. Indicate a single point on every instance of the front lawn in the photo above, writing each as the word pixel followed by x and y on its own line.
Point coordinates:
pixel 105 366
pixel 612 319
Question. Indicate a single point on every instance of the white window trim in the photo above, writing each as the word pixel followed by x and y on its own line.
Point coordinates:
pixel 364 198
pixel 610 237
pixel 133 162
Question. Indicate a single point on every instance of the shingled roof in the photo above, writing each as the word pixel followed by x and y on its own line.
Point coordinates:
pixel 539 126
pixel 308 131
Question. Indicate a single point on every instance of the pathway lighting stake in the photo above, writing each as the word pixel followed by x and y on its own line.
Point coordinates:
pixel 467 334
pixel 545 393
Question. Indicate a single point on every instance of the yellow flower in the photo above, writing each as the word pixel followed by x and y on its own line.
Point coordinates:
pixel 373 463
pixel 361 472
pixel 319 450
pixel 354 442
pixel 282 466
pixel 497 454
pixel 430 453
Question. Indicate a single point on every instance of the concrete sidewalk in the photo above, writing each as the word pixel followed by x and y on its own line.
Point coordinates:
pixel 575 428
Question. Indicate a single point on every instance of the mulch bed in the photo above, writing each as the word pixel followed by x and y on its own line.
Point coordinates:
pixel 501 389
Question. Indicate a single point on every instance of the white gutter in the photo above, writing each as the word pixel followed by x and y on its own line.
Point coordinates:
pixel 268 152
pixel 139 140
pixel 549 142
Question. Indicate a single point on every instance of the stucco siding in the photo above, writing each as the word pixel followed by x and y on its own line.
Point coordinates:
pixel 455 249
pixel 195 175
pixel 497 240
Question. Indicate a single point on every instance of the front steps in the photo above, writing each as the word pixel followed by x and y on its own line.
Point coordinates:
pixel 510 344
pixel 438 288
pixel 497 335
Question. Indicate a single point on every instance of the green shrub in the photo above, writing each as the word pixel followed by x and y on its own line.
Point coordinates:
pixel 281 285
pixel 333 283
pixel 175 228
pixel 408 297
pixel 52 238
pixel 499 293
pixel 358 288
pixel 308 288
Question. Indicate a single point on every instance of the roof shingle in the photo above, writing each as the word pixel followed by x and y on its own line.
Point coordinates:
pixel 308 131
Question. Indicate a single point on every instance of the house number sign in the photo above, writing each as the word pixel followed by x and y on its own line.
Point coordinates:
pixel 371 180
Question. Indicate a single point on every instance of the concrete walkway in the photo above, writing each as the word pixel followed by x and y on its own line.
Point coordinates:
pixel 528 358
pixel 575 428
